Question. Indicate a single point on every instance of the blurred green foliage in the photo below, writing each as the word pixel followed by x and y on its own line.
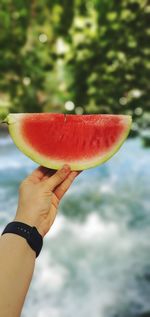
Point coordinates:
pixel 94 53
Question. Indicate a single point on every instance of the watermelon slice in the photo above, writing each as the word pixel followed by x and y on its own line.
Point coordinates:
pixel 82 141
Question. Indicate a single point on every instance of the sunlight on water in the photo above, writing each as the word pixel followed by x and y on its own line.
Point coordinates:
pixel 95 260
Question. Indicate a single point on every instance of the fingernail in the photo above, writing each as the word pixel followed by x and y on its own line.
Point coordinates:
pixel 66 168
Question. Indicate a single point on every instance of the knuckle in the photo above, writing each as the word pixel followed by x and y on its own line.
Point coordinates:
pixel 64 187
pixel 70 179
pixel 60 176
pixel 56 201
pixel 47 193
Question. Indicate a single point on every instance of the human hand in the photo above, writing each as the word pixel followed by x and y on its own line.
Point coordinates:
pixel 40 194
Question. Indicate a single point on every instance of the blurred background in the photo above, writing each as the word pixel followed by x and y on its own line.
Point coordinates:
pixel 82 57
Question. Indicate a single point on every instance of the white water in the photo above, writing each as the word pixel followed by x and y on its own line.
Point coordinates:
pixel 95 260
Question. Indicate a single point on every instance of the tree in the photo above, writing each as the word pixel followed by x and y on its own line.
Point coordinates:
pixel 94 53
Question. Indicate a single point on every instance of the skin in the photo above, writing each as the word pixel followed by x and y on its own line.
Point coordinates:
pixel 39 197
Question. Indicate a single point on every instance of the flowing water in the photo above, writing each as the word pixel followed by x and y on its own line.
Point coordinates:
pixel 96 258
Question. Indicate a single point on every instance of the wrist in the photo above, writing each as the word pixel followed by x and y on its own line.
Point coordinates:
pixel 29 233
pixel 28 219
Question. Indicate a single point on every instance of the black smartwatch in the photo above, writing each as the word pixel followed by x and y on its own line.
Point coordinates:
pixel 31 234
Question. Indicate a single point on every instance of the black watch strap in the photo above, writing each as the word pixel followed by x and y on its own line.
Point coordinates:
pixel 31 234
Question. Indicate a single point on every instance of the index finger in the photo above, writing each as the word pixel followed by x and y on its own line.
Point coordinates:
pixel 39 173
pixel 64 186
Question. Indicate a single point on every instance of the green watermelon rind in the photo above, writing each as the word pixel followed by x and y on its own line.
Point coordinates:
pixel 15 133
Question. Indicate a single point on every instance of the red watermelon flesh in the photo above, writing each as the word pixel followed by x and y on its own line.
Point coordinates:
pixel 82 141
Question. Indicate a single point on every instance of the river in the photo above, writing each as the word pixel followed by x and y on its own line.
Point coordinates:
pixel 96 258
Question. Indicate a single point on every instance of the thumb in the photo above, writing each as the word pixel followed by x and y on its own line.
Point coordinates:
pixel 57 178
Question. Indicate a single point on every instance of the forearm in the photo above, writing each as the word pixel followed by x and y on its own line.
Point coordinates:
pixel 17 261
pixel 39 196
